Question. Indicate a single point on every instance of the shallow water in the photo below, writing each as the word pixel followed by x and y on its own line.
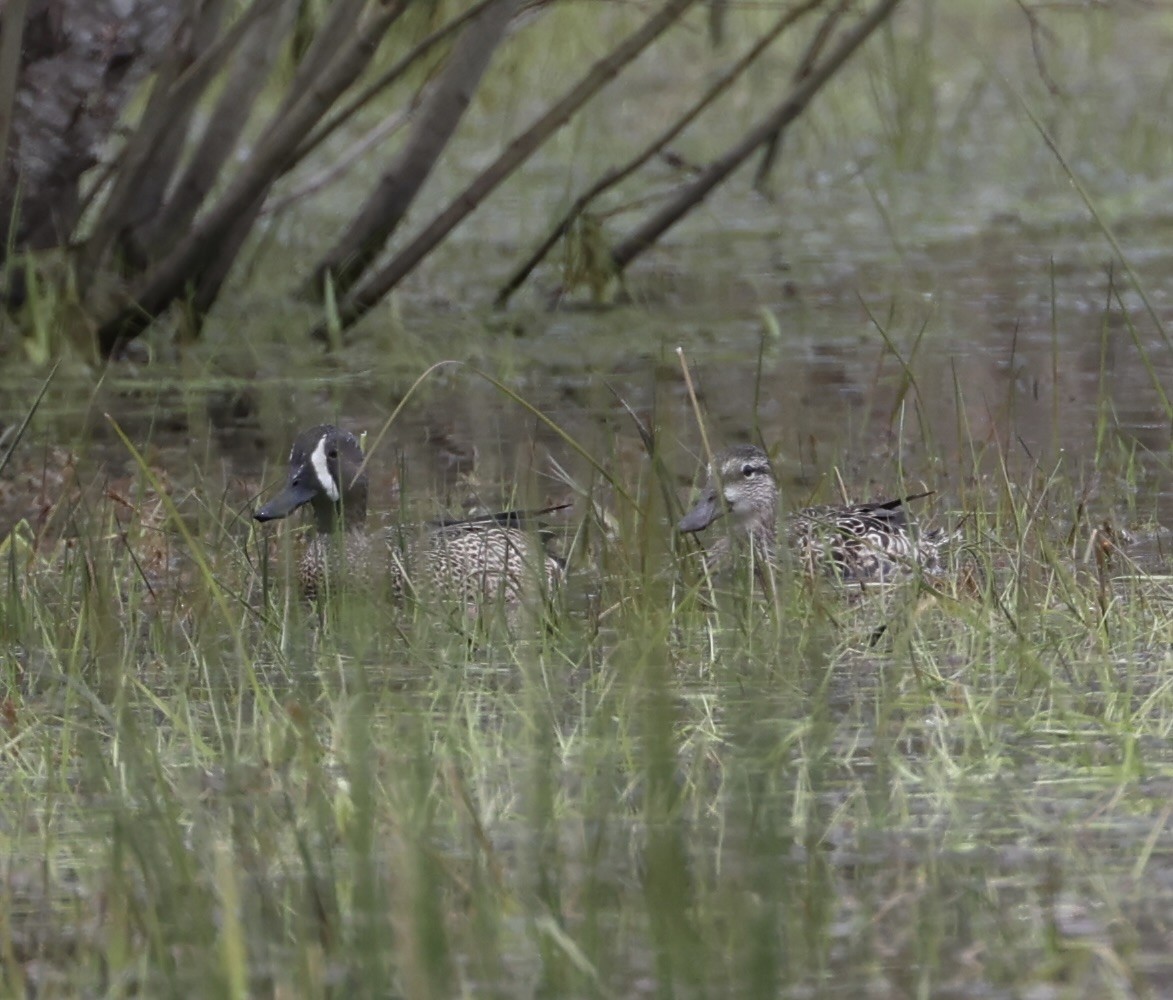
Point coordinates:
pixel 966 365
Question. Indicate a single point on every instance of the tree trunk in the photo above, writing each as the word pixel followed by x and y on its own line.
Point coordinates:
pixel 80 61
pixel 272 155
pixel 373 288
pixel 435 122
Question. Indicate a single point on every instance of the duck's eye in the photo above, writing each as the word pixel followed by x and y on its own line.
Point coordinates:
pixel 748 470
pixel 332 453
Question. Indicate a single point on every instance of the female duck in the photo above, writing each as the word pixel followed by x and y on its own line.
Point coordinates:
pixel 859 543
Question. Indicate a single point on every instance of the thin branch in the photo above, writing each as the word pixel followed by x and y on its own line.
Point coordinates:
pixel 380 215
pixel 1038 31
pixel 813 50
pixel 340 20
pixel 359 302
pixel 249 73
pixel 148 185
pixel 178 98
pixel 341 165
pixel 616 175
pixel 271 157
pixel 385 80
pixel 693 193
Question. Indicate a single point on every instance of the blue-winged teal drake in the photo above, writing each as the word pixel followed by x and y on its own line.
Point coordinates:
pixel 477 561
pixel 859 543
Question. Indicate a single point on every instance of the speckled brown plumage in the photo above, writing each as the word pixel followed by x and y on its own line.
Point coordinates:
pixel 858 543
pixel 476 562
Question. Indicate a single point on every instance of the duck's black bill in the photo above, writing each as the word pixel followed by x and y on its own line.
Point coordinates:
pixel 701 516
pixel 285 502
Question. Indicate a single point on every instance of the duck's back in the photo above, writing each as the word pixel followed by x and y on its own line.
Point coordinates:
pixel 863 543
pixel 479 561
pixel 476 562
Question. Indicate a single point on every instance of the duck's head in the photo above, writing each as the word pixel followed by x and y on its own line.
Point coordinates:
pixel 324 471
pixel 741 483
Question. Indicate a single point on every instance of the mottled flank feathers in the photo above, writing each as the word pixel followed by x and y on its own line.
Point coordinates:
pixel 477 561
pixel 858 543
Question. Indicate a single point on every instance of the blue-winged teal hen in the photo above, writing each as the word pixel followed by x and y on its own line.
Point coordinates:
pixel 477 561
pixel 859 543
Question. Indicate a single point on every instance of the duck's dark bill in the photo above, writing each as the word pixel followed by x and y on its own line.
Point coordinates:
pixel 701 516
pixel 285 502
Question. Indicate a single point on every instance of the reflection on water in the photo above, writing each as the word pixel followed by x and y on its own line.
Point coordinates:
pixel 981 366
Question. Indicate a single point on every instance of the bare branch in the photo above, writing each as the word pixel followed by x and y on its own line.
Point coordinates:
pixel 694 193
pixel 385 80
pixel 341 165
pixel 813 51
pixel 1039 32
pixel 12 19
pixel 141 192
pixel 618 174
pixel 212 276
pixel 271 157
pixel 226 122
pixel 378 218
pixel 359 302
pixel 176 93
pixel 331 34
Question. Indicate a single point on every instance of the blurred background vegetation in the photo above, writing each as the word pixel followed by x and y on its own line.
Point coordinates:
pixel 323 153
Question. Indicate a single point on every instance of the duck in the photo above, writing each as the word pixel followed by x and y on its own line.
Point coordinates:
pixel 865 543
pixel 476 561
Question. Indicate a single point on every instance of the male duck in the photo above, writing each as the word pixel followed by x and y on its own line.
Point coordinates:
pixel 476 561
pixel 860 543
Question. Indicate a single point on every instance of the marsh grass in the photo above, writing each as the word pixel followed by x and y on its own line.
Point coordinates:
pixel 672 785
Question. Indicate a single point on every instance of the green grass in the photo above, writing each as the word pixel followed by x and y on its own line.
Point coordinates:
pixel 664 791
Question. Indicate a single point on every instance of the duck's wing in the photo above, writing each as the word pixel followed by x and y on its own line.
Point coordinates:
pixel 499 545
pixel 881 514
pixel 867 542
pixel 502 519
